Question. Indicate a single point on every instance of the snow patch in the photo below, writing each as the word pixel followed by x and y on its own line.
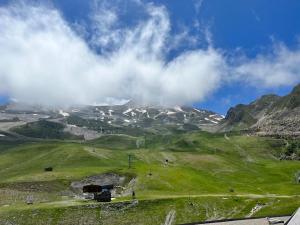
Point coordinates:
pixel 127 121
pixel 219 119
pixel 65 114
pixel 2 135
pixel 178 108
pixel 207 119
pixel 71 125
pixel 157 115
pixel 110 112
pixel 127 111
pixel 170 113
pixel 216 117
pixel 200 111
pixel 141 110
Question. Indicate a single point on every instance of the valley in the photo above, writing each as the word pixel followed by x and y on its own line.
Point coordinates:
pixel 202 176
pixel 183 164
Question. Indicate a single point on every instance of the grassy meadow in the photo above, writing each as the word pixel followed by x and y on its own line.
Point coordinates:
pixel 199 175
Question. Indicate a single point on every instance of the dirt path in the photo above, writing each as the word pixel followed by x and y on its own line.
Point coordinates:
pixel 226 137
pixel 224 195
pixel 170 218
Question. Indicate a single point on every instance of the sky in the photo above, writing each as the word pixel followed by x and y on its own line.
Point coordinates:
pixel 211 54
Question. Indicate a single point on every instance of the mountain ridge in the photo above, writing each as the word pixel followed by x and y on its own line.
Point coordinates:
pixel 93 121
pixel 268 115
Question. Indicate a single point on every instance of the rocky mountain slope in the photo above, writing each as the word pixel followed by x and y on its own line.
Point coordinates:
pixel 90 122
pixel 269 115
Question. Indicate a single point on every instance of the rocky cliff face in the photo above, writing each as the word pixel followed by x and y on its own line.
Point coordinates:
pixel 269 115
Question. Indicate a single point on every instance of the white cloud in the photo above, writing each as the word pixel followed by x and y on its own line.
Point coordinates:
pixel 44 61
pixel 280 68
pixel 105 19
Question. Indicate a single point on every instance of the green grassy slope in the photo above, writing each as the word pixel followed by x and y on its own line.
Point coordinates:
pixel 44 129
pixel 170 170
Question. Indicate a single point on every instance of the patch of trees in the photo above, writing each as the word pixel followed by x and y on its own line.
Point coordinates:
pixel 292 150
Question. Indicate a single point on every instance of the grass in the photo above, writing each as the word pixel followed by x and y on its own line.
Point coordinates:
pixel 222 177
pixel 145 212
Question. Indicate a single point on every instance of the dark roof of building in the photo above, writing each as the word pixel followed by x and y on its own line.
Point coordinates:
pixel 93 188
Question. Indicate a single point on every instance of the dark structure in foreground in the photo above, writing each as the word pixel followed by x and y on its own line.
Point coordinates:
pixel 48 169
pixel 100 193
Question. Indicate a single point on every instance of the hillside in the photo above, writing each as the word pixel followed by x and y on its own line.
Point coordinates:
pixel 198 175
pixel 175 169
pixel 44 129
pixel 269 115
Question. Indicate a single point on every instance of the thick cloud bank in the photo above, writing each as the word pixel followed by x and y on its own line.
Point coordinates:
pixel 44 61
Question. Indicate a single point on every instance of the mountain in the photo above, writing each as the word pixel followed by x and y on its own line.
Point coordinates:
pixel 91 122
pixel 244 116
pixel 269 115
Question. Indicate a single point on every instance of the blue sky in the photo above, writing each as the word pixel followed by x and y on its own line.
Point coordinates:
pixel 234 27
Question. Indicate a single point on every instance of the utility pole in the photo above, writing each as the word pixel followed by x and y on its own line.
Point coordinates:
pixel 129 161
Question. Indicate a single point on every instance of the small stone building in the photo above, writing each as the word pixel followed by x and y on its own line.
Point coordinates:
pixel 100 193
